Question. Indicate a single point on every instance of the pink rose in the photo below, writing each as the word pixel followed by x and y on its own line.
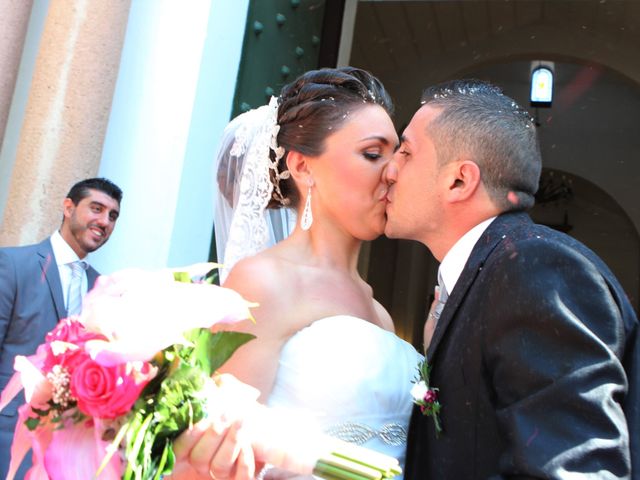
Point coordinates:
pixel 65 344
pixel 107 392
pixel 68 359
pixel 67 330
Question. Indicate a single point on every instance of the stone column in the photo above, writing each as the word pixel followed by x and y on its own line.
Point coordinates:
pixel 14 18
pixel 173 98
pixel 67 113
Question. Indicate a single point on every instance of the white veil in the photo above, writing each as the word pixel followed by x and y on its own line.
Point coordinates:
pixel 243 226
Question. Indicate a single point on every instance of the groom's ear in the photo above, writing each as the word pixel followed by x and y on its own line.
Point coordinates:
pixel 464 181
pixel 298 165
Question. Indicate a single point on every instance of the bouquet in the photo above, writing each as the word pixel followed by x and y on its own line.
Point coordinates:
pixel 108 392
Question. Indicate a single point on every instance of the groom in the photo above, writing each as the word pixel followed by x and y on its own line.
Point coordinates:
pixel 536 351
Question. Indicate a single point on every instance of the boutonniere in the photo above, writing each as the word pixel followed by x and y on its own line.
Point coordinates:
pixel 426 396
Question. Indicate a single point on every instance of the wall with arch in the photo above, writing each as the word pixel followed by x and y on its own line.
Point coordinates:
pixel 591 133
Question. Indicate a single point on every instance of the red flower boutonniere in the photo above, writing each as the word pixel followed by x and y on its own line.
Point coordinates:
pixel 426 397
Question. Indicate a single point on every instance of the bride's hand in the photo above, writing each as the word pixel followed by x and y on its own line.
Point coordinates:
pixel 218 446
pixel 239 436
pixel 214 449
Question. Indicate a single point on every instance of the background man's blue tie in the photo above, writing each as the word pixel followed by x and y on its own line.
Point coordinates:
pixel 74 296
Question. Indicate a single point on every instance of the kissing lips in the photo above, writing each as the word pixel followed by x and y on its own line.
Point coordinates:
pixel 388 197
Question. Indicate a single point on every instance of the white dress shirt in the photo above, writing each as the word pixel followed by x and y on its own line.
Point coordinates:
pixel 456 258
pixel 64 256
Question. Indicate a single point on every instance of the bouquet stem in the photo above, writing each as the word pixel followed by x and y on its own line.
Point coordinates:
pixel 350 462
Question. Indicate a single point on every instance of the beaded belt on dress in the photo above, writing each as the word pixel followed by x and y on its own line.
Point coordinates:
pixel 359 433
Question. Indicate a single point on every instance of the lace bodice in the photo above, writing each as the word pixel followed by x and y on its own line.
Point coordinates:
pixel 353 377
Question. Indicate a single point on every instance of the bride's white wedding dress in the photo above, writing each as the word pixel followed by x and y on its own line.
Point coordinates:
pixel 354 378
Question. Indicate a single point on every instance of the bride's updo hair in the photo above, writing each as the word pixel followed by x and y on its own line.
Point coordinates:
pixel 313 107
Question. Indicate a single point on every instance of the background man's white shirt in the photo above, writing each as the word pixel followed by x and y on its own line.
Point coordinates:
pixel 64 256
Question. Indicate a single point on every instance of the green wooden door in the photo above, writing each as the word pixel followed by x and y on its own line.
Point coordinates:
pixel 282 40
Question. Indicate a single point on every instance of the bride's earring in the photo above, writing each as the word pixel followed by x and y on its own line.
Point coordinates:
pixel 307 214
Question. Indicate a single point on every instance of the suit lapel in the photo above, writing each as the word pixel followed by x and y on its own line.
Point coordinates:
pixel 49 270
pixel 492 236
pixel 92 276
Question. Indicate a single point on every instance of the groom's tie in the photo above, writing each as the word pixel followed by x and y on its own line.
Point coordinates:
pixel 444 295
pixel 434 315
pixel 74 297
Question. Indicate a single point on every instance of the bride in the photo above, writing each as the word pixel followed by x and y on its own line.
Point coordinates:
pixel 323 344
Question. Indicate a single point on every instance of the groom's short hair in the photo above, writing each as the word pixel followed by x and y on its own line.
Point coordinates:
pixel 478 121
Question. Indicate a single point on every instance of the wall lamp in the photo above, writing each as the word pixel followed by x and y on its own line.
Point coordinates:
pixel 541 84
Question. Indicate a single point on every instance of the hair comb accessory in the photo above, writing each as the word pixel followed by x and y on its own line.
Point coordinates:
pixel 278 154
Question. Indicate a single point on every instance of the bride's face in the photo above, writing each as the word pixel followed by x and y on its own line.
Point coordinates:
pixel 349 190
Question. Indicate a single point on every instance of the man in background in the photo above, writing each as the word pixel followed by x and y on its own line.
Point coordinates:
pixel 43 283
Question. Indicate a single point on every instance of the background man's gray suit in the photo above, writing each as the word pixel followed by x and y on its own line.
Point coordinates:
pixel 31 304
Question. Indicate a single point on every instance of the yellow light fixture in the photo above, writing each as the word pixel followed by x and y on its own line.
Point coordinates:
pixel 541 84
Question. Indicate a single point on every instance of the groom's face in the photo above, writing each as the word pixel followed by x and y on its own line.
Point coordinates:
pixel 414 199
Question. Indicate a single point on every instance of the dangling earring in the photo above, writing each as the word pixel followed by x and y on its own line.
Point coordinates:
pixel 307 214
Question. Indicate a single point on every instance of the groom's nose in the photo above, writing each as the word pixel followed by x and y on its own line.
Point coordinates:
pixel 391 172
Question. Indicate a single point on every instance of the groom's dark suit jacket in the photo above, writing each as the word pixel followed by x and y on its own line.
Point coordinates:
pixel 31 303
pixel 537 358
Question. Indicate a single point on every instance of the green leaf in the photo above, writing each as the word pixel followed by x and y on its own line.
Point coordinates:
pixel 135 439
pixel 212 278
pixel 213 349
pixel 181 277
pixel 167 460
pixel 193 335
pixel 32 423
pixel 39 412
